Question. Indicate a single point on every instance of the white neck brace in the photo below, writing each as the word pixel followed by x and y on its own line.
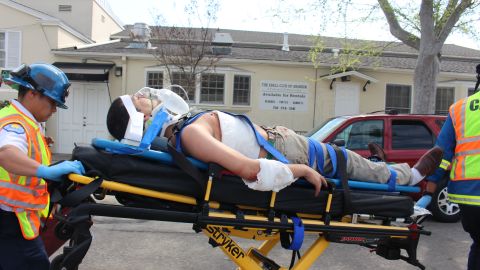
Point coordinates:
pixel 134 130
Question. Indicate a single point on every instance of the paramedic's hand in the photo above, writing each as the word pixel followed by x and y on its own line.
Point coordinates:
pixel 316 179
pixel 424 201
pixel 55 172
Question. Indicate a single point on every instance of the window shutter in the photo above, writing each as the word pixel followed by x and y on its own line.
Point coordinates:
pixel 13 48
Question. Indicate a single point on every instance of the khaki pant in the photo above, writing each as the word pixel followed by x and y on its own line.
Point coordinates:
pixel 295 148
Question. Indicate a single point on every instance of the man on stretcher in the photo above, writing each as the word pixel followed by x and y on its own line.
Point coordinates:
pixel 234 143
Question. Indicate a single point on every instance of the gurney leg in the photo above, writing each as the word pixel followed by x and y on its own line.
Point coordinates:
pixel 231 248
pixel 268 245
pixel 312 254
pixel 264 248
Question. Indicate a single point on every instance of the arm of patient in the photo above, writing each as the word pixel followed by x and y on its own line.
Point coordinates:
pixel 198 141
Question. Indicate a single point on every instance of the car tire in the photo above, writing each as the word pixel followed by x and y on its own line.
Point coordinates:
pixel 442 209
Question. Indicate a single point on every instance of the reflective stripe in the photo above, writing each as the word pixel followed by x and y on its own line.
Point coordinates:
pixel 28 195
pixel 469 152
pixel 467 146
pixel 466 122
pixel 29 223
pixel 468 140
pixel 22 204
pixel 462 119
pixel 445 164
pixel 464 199
pixel 20 188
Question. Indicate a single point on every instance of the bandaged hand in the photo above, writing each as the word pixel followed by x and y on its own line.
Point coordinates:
pixel 55 172
pixel 273 176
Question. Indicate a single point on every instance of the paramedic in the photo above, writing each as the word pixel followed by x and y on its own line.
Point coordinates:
pixel 229 141
pixel 460 141
pixel 24 160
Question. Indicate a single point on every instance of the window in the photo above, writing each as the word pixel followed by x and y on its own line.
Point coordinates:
pixel 2 49
pixel 212 88
pixel 241 90
pixel 359 134
pixel 443 100
pixel 411 135
pixel 9 49
pixel 183 80
pixel 471 91
pixel 398 98
pixel 155 79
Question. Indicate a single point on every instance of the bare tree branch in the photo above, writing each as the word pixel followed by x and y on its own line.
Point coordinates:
pixel 395 29
pixel 446 29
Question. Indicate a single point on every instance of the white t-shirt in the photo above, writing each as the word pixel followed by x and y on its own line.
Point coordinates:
pixel 238 134
pixel 14 134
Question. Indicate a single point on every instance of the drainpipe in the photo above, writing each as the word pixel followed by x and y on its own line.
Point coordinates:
pixel 124 77
pixel 285 46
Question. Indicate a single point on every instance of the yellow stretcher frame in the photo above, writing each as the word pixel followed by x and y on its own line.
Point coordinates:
pixel 249 258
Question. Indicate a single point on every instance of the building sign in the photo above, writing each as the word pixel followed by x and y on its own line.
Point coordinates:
pixel 284 96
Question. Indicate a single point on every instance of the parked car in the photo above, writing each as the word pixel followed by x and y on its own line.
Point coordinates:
pixel 404 137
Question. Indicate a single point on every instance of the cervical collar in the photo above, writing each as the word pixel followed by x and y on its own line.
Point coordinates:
pixel 134 130
pixel 170 109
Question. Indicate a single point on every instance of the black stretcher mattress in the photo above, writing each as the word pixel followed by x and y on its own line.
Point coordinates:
pixel 230 190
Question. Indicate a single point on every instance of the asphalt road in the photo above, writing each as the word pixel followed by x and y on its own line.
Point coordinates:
pixel 123 244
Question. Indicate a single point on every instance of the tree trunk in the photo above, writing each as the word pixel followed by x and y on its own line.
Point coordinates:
pixel 424 82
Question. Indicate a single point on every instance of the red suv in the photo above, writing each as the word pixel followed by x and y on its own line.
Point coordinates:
pixel 404 137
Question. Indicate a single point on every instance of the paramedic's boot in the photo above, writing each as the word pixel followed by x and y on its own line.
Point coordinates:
pixel 427 164
pixel 377 151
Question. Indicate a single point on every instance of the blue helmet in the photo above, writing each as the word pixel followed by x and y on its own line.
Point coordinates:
pixel 45 78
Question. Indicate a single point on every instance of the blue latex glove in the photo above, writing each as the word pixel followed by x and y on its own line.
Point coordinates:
pixel 424 201
pixel 56 172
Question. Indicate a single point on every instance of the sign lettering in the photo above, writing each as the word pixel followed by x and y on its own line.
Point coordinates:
pixel 284 96
pixel 226 242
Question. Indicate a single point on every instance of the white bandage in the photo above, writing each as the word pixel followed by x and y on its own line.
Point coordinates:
pixel 134 131
pixel 273 176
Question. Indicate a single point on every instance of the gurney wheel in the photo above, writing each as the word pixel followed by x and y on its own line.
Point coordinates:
pixel 57 263
pixel 63 231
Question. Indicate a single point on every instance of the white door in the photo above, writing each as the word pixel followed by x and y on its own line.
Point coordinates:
pixel 85 117
pixel 347 98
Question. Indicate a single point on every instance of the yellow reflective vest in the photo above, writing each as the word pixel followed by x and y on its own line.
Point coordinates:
pixel 464 187
pixel 27 196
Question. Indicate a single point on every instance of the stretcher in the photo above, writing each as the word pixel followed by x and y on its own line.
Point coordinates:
pixel 156 185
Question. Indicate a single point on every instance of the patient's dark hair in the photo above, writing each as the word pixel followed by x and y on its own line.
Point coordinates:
pixel 117 119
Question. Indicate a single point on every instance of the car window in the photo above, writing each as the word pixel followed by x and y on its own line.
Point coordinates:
pixel 411 135
pixel 319 134
pixel 359 134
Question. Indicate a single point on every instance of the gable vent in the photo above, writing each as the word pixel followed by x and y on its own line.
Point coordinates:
pixel 222 44
pixel 64 7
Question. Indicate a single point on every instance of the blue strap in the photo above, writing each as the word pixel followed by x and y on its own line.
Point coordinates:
pixel 311 152
pixel 188 122
pixel 315 152
pixel 392 180
pixel 154 129
pixel 298 234
pixel 333 159
pixel 262 142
